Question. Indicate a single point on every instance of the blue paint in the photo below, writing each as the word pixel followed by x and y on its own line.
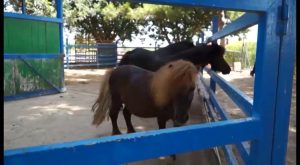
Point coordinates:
pixel 31 56
pixel 241 99
pixel 231 158
pixel 244 151
pixel 31 17
pixel 230 155
pixel 23 7
pixel 215 28
pixel 87 59
pixel 102 45
pixel 26 95
pixel 101 65
pixel 243 22
pixel 242 147
pixel 255 5
pixel 266 85
pixel 215 24
pixel 285 84
pixel 136 146
pixel 214 101
pixel 266 128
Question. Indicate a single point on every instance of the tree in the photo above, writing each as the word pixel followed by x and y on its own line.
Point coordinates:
pixel 173 23
pixel 33 7
pixel 233 15
pixel 104 20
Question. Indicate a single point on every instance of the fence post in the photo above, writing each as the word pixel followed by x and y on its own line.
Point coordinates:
pixel 67 52
pixel 23 7
pixel 202 37
pixel 212 83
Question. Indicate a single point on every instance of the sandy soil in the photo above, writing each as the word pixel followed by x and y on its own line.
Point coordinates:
pixel 67 117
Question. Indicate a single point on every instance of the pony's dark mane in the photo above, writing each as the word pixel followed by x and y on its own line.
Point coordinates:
pixel 144 55
pixel 202 53
pixel 199 55
pixel 174 48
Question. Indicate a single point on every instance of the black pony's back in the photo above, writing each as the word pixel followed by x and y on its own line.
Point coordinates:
pixel 149 59
pixel 174 48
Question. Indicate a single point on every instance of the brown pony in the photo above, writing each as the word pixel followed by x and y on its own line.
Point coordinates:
pixel 165 94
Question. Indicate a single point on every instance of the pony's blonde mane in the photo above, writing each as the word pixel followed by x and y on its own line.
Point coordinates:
pixel 171 78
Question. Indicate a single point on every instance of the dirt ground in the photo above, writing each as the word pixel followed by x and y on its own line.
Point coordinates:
pixel 67 117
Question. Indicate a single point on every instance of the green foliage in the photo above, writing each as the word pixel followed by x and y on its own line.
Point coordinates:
pixel 233 15
pixel 35 7
pixel 104 20
pixel 107 20
pixel 173 23
pixel 235 52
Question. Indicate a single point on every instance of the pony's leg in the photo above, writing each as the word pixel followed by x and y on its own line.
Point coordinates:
pixel 113 114
pixel 161 122
pixel 127 116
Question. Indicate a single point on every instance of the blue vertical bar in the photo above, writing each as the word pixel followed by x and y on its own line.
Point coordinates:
pixel 285 83
pixel 59 14
pixel 202 37
pixel 266 85
pixel 23 7
pixel 67 53
pixel 215 25
pixel 214 30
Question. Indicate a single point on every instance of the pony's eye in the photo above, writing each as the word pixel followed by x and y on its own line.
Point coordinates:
pixel 170 66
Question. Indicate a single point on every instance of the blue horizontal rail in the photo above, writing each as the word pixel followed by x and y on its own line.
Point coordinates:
pixel 243 22
pixel 224 115
pixel 31 56
pixel 231 158
pixel 90 65
pixel 138 146
pixel 31 17
pixel 36 93
pixel 107 56
pixel 230 155
pixel 102 45
pixel 242 147
pixel 238 97
pixel 240 5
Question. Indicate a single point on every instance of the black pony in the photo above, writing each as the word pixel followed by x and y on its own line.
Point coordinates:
pixel 166 51
pixel 200 56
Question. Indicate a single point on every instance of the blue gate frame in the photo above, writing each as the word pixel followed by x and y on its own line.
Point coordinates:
pixel 59 20
pixel 267 121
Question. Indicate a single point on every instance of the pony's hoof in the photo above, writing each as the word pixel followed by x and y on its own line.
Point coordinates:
pixel 173 157
pixel 131 131
pixel 116 133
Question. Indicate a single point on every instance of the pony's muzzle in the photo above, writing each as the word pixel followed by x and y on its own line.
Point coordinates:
pixel 227 71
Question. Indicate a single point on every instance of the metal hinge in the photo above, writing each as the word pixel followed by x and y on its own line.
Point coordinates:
pixel 282 19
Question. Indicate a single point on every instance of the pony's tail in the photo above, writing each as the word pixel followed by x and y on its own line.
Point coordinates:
pixel 103 103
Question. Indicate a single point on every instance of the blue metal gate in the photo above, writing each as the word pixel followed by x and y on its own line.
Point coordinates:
pixel 266 124
pixel 91 55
